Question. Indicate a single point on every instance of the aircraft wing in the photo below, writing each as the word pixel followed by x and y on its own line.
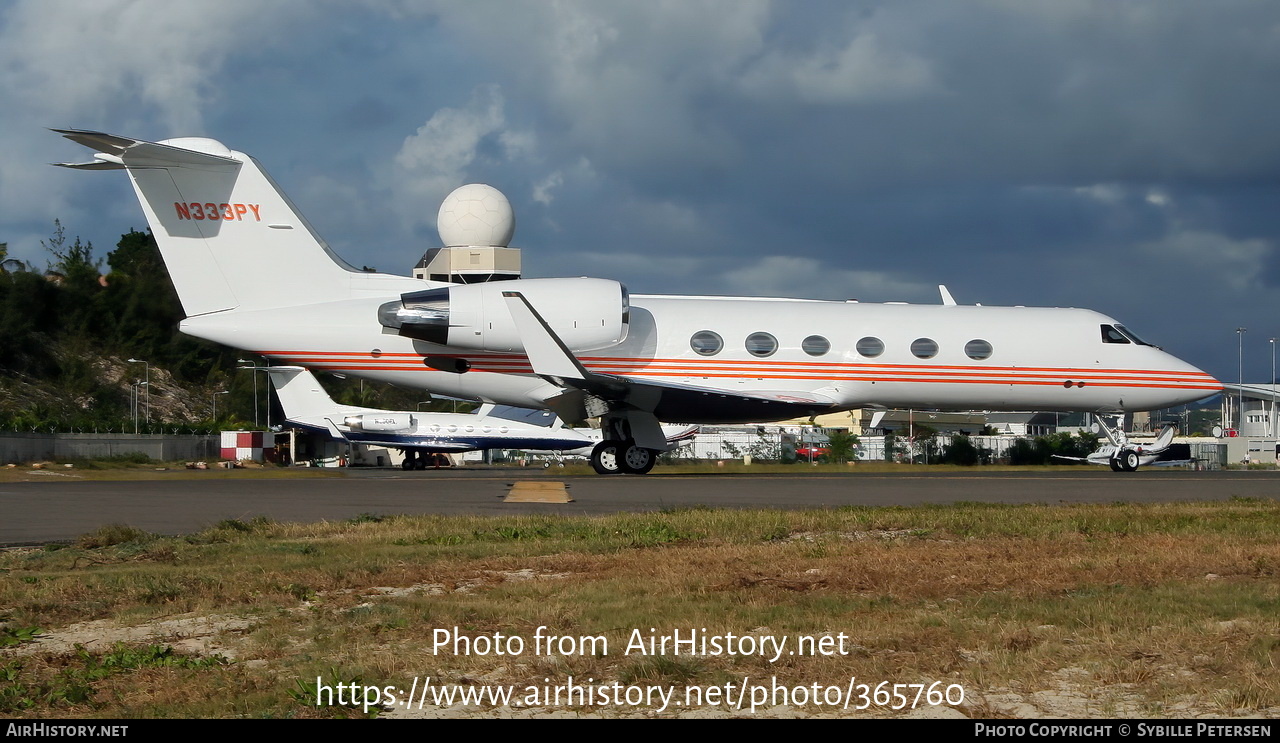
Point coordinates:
pixel 674 401
pixel 585 391
pixel 435 445
pixel 334 431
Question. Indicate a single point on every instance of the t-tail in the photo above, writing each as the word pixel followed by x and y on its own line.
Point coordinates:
pixel 229 236
pixel 300 393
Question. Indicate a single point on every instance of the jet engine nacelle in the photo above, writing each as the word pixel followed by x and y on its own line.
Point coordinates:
pixel 587 314
pixel 384 422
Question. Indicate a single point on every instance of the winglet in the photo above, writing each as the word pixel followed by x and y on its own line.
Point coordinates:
pixel 947 299
pixel 547 353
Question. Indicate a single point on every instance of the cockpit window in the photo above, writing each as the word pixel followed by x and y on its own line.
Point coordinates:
pixel 1131 336
pixel 1111 335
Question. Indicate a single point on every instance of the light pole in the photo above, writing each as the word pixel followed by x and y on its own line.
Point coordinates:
pixel 1271 418
pixel 136 389
pixel 214 399
pixel 148 375
pixel 1240 394
pixel 257 369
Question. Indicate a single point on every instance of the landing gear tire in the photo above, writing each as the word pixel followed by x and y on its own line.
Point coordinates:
pixel 606 457
pixel 407 464
pixel 1115 466
pixel 637 460
pixel 1129 461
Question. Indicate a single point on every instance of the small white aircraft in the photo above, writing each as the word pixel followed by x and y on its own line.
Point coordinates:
pixel 306 405
pixel 1123 455
pixel 252 274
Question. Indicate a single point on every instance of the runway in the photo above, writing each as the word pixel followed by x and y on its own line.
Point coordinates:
pixel 40 512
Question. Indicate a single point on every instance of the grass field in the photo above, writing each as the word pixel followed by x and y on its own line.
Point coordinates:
pixel 1073 611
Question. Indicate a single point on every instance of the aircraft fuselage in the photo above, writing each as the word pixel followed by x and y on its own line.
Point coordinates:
pixel 855 354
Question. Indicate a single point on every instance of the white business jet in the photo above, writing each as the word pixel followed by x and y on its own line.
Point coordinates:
pixel 1124 455
pixel 306 405
pixel 252 274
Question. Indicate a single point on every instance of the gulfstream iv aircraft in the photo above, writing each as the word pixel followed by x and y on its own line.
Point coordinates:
pixel 252 274
pixel 307 405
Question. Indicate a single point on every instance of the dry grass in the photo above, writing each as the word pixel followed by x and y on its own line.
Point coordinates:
pixel 1136 610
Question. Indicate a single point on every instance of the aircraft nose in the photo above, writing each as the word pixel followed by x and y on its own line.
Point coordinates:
pixel 1197 383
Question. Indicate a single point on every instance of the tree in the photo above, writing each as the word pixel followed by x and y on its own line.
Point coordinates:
pixel 961 451
pixel 924 443
pixel 75 263
pixel 842 446
pixel 890 447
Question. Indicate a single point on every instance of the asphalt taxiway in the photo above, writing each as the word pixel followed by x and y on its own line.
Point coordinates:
pixel 63 508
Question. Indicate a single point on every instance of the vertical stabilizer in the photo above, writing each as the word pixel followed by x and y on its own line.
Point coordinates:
pixel 229 237
pixel 300 393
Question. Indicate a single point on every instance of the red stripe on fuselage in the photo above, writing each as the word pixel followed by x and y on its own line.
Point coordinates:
pixel 794 370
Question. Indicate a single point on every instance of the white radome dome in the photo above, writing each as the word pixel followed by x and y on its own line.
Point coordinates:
pixel 476 215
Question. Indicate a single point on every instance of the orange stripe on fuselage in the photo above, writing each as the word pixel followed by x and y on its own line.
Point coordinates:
pixel 794 370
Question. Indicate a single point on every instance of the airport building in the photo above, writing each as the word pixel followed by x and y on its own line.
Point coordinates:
pixel 1249 425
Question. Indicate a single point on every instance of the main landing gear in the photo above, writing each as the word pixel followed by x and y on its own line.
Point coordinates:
pixel 420 460
pixel 611 457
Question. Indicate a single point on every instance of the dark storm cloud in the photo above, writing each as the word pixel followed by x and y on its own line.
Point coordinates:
pixel 1121 156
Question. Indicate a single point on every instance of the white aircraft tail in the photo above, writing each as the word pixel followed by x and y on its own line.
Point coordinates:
pixel 1163 441
pixel 300 393
pixel 229 237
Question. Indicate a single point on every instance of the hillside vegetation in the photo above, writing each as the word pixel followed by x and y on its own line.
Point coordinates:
pixel 70 330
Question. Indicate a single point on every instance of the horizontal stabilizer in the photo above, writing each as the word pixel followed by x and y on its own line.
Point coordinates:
pixel 114 152
pixel 93 165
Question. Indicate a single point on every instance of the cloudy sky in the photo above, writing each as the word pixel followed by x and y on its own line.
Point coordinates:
pixel 1118 156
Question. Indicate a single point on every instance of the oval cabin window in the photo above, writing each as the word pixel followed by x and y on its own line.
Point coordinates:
pixel 977 350
pixel 706 343
pixel 815 345
pixel 761 344
pixel 870 347
pixel 924 348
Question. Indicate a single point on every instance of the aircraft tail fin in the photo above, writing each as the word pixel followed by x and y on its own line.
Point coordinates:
pixel 300 393
pixel 1165 438
pixel 229 236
